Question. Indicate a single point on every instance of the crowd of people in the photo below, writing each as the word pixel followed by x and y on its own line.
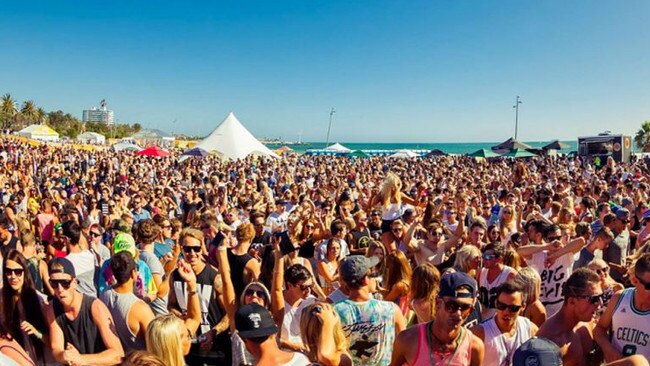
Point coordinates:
pixel 112 258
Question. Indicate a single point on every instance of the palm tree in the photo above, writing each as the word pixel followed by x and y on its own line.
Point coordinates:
pixel 8 110
pixel 41 116
pixel 29 110
pixel 642 137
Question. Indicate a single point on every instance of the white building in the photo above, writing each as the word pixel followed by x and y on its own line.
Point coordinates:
pixel 102 114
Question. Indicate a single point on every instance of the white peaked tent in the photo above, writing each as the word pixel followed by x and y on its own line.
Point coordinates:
pixel 404 154
pixel 232 140
pixel 338 148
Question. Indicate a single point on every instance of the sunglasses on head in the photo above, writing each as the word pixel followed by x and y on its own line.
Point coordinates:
pixel 15 271
pixel 512 308
pixel 188 249
pixel 251 292
pixel 64 283
pixel 453 306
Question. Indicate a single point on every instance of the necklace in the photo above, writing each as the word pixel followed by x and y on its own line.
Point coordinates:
pixel 430 344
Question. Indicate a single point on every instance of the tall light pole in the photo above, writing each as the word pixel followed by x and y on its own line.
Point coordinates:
pixel 327 141
pixel 516 107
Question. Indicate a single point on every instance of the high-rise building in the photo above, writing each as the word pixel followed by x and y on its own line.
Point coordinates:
pixel 101 114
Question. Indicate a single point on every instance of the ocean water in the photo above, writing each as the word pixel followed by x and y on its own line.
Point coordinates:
pixel 447 147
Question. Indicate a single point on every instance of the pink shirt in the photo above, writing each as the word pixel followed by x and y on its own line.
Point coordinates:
pixel 460 357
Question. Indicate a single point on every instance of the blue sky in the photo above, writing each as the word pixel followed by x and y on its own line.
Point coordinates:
pixel 395 71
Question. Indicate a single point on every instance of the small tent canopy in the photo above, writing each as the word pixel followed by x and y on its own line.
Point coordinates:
pixel 436 152
pixel 519 153
pixel 283 149
pixel 231 140
pixel 153 150
pixel 508 145
pixel 153 137
pixel 484 153
pixel 338 148
pixel 404 154
pixel 358 154
pixel 39 132
pixel 126 146
pixel 556 145
pixel 91 138
pixel 197 152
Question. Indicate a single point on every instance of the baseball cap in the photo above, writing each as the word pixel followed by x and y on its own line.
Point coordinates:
pixel 622 213
pixel 626 201
pixel 124 242
pixel 450 282
pixel 63 266
pixel 254 321
pixel 537 351
pixel 355 267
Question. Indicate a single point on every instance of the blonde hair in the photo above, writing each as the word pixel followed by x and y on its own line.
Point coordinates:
pixel 192 233
pixel 245 232
pixel 310 330
pixel 374 244
pixel 390 189
pixel 530 282
pixel 464 255
pixel 163 339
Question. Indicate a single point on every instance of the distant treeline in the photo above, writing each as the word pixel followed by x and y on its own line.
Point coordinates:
pixel 15 118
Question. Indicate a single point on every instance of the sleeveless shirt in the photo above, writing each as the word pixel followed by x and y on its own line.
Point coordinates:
pixel 370 329
pixel 461 356
pixel 499 348
pixel 237 266
pixel 120 305
pixel 630 327
pixel 487 290
pixel 5 249
pixel 81 332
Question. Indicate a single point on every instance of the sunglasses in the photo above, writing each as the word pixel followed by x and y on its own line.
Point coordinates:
pixel 396 229
pixel 453 306
pixel 189 249
pixel 602 271
pixel 489 257
pixel 646 285
pixel 512 308
pixel 316 310
pixel 251 292
pixel 304 287
pixel 309 226
pixel 64 283
pixel 95 235
pixel 626 221
pixel 554 238
pixel 436 233
pixel 594 299
pixel 16 271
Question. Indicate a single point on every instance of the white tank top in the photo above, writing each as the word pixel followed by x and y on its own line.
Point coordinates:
pixel 630 327
pixel 487 290
pixel 392 212
pixel 499 348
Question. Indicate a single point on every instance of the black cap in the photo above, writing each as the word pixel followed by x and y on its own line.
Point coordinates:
pixel 537 352
pixel 450 282
pixel 254 321
pixel 66 267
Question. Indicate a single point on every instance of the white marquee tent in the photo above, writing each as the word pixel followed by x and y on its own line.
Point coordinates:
pixel 404 154
pixel 231 140
pixel 91 138
pixel 39 132
pixel 338 148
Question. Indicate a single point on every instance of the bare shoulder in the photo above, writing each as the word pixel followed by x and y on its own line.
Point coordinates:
pixel 408 335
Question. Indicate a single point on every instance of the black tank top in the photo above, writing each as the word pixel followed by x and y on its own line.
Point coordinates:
pixel 210 311
pixel 6 248
pixel 237 266
pixel 81 332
